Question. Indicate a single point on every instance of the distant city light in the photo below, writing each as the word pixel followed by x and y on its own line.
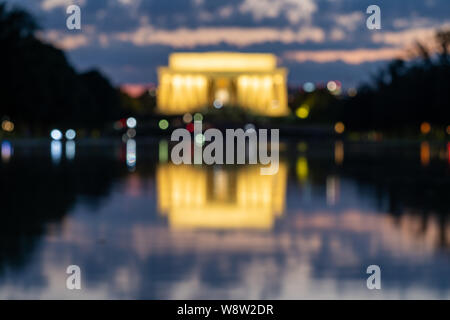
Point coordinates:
pixel 131 123
pixel 303 111
pixel 200 139
pixel 6 151
pixel 163 124
pixel 332 86
pixel 131 133
pixel 309 87
pixel 249 126
pixel 198 117
pixel 55 134
pixel 70 134
pixel 352 92
pixel 339 128
pixel 190 127
pixel 425 128
pixel 7 126
pixel 119 124
pixel 218 104
pixel 187 118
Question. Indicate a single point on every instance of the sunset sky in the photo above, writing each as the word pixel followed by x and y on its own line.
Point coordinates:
pixel 317 40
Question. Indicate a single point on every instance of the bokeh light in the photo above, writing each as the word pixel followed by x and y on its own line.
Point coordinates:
pixel 7 126
pixel 352 92
pixel 309 87
pixel 218 104
pixel 339 127
pixel 200 139
pixel 332 86
pixel 163 124
pixel 198 117
pixel 425 128
pixel 71 134
pixel 187 118
pixel 131 123
pixel 55 134
pixel 131 133
pixel 303 111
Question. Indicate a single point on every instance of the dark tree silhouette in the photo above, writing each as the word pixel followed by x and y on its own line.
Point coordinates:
pixel 38 87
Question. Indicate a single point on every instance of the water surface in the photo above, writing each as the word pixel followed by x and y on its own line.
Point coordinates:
pixel 142 228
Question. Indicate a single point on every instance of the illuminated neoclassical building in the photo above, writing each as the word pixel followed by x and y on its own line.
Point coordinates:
pixel 214 198
pixel 196 80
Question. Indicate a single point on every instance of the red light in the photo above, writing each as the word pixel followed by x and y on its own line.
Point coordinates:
pixel 190 127
pixel 448 152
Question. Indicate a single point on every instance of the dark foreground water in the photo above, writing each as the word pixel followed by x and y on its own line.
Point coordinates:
pixel 140 227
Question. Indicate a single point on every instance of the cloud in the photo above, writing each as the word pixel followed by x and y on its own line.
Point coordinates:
pixel 337 34
pixel 349 21
pixel 409 37
pixel 48 5
pixel 413 22
pixel 294 10
pixel 226 12
pixel 65 41
pixel 354 56
pixel 237 36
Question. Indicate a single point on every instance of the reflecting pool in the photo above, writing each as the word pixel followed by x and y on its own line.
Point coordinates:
pixel 140 227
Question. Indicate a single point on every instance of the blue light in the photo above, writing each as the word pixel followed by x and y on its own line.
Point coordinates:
pixel 56 134
pixel 309 87
pixel 70 134
pixel 131 123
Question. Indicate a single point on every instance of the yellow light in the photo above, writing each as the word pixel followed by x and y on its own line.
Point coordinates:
pixel 7 126
pixel 339 128
pixel 303 111
pixel 217 61
pixel 425 128
pixel 177 81
pixel 448 130
pixel 199 199
pixel 302 169
pixel 192 81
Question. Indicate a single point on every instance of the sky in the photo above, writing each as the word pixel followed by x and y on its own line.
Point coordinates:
pixel 317 40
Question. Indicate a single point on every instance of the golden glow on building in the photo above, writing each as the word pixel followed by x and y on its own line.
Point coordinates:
pixel 220 198
pixel 248 80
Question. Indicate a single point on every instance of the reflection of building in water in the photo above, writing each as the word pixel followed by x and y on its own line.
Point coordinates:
pixel 195 80
pixel 219 198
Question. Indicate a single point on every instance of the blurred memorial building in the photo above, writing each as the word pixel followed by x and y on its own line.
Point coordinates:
pixel 248 80
pixel 193 198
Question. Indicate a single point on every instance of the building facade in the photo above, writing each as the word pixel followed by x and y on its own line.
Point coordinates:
pixel 222 79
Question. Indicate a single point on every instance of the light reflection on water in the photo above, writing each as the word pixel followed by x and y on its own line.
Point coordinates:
pixel 141 227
